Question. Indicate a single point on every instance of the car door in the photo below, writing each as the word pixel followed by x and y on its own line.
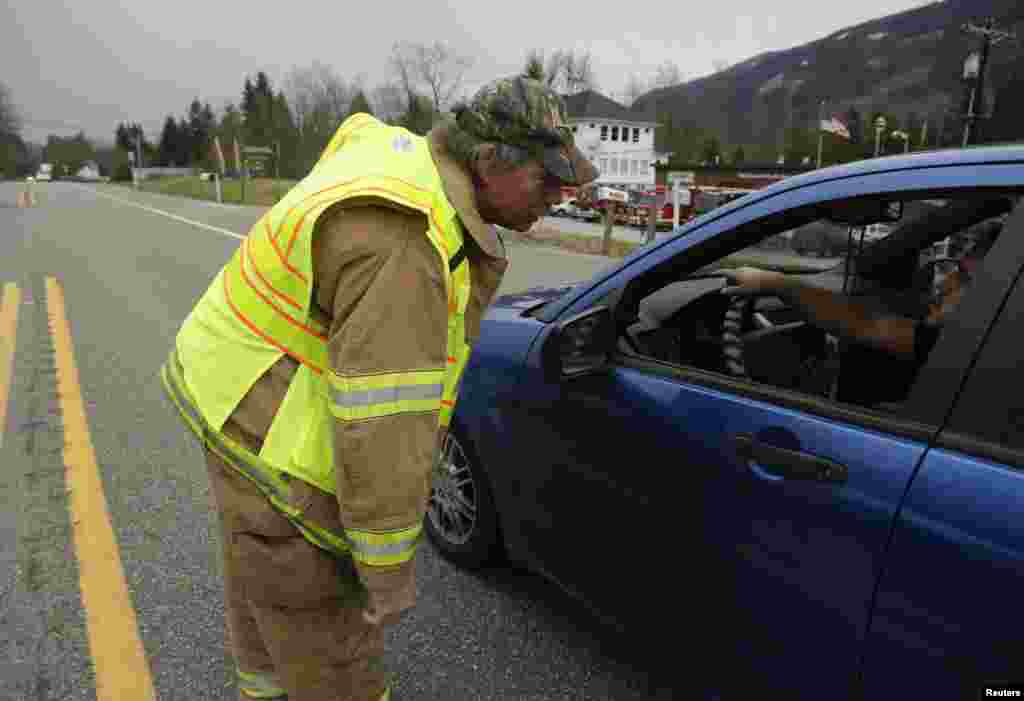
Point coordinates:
pixel 948 621
pixel 675 496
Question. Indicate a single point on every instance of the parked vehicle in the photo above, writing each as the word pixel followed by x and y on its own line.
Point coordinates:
pixel 566 208
pixel 45 172
pixel 812 513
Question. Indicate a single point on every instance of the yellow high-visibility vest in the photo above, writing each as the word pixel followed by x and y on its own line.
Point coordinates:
pixel 258 309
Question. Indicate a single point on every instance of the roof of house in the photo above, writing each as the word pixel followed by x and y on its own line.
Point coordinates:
pixel 591 104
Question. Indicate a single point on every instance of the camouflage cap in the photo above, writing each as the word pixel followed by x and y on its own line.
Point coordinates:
pixel 523 112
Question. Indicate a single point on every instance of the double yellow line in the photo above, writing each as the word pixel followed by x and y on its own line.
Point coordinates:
pixel 121 669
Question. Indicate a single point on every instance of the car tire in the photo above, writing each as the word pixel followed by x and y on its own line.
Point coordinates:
pixel 457 472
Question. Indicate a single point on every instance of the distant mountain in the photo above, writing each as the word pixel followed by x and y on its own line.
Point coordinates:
pixel 907 65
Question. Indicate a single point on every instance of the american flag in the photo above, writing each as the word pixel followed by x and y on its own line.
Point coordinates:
pixel 835 126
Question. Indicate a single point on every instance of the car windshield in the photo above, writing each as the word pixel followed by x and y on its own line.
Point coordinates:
pixel 814 247
pixel 822 244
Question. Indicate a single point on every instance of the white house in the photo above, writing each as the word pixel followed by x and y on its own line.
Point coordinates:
pixel 618 141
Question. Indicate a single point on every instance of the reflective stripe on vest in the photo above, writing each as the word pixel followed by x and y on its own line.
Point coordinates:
pixel 259 685
pixel 258 309
pixel 273 483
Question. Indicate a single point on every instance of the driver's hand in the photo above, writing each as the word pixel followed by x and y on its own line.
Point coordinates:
pixel 746 281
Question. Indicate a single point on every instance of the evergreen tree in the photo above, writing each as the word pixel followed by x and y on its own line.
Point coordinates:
pixel 711 150
pixel 168 148
pixel 855 123
pixel 359 104
pixel 196 138
pixel 420 116
pixel 183 152
pixel 534 67
pixel 286 137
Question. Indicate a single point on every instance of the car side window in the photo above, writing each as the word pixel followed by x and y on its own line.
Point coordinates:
pixel 872 306
pixel 988 417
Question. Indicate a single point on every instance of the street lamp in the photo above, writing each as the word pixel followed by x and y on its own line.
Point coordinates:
pixel 903 136
pixel 880 125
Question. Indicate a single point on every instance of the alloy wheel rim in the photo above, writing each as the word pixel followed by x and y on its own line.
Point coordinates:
pixel 452 508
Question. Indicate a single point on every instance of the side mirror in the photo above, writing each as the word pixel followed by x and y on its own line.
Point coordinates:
pixel 579 346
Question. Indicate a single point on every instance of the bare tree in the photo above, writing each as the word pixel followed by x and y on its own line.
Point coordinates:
pixel 389 101
pixel 554 70
pixel 667 75
pixel 319 97
pixel 579 72
pixel 436 69
pixel 634 89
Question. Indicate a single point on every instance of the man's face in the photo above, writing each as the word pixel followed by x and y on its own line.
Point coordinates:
pixel 516 199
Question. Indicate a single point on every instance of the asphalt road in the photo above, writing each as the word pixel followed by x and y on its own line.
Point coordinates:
pixel 129 276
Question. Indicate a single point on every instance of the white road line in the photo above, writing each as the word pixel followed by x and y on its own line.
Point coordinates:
pixel 193 222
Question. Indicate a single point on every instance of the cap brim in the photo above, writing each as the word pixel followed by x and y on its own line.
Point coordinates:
pixel 569 165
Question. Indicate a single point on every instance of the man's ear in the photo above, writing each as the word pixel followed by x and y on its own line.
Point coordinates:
pixel 486 155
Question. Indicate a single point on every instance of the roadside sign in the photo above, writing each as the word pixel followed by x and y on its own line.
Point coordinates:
pixel 677 178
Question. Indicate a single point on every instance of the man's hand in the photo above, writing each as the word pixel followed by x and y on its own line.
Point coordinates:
pixel 745 282
pixel 387 608
pixel 392 591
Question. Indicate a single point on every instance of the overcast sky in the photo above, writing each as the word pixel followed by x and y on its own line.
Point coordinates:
pixel 90 64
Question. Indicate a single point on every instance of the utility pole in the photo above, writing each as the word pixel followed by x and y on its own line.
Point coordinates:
pixel 821 132
pixel 990 36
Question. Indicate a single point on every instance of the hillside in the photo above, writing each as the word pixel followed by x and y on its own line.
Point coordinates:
pixel 907 65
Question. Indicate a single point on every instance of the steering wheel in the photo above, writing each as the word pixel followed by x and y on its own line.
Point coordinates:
pixel 743 325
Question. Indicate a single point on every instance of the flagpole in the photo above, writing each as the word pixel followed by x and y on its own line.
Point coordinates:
pixel 821 132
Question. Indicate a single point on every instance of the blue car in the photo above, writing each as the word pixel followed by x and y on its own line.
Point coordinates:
pixel 809 516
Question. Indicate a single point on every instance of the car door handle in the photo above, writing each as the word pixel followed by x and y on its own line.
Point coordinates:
pixel 789 464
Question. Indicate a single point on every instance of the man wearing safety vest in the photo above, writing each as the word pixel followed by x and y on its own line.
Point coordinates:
pixel 321 367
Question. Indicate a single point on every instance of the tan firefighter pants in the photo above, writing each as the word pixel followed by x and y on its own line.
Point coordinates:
pixel 294 612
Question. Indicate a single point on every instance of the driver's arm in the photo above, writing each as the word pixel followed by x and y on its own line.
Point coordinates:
pixel 836 313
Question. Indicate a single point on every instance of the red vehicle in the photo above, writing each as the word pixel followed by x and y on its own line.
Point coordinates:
pixel 639 214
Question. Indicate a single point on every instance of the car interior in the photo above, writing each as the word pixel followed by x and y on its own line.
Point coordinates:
pixel 685 320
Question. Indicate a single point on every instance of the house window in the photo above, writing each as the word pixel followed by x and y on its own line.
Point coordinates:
pixel 636 135
pixel 615 166
pixel 633 167
pixel 604 132
pixel 604 165
pixel 643 167
pixel 615 133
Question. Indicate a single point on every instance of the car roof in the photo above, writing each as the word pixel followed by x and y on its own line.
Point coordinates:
pixel 911 162
pixel 975 155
